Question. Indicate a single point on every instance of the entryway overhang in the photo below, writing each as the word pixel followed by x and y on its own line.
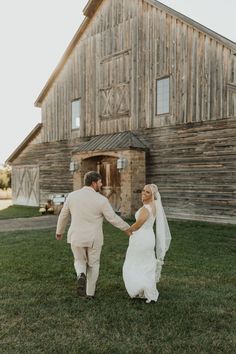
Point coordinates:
pixel 110 142
pixel 121 183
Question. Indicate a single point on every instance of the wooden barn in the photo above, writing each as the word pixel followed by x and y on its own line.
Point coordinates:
pixel 142 94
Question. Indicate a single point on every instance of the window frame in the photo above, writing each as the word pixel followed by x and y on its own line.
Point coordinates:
pixel 72 118
pixel 156 95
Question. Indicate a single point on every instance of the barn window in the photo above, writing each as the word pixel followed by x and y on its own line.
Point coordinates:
pixel 163 95
pixel 231 99
pixel 76 113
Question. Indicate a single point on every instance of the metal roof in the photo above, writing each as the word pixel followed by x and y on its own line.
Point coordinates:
pixel 118 141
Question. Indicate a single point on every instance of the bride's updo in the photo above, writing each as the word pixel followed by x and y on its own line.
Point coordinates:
pixel 154 190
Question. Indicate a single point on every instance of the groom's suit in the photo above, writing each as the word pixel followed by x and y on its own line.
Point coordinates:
pixel 87 209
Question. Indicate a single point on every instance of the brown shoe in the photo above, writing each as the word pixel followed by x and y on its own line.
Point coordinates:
pixel 81 285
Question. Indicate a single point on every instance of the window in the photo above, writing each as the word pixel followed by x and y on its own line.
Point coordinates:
pixel 231 99
pixel 163 95
pixel 76 113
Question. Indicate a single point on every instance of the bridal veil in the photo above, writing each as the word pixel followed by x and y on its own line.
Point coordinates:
pixel 163 236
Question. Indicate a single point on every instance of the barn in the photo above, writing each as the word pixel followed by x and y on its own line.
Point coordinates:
pixel 142 94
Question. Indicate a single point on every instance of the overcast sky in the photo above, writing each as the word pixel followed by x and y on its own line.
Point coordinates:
pixel 33 37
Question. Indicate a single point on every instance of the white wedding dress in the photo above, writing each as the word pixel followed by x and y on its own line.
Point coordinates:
pixel 139 269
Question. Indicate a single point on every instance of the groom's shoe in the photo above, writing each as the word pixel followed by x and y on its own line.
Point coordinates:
pixel 81 285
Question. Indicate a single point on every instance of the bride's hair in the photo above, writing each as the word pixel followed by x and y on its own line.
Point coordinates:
pixel 154 190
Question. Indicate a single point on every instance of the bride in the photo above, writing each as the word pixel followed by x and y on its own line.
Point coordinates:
pixel 142 266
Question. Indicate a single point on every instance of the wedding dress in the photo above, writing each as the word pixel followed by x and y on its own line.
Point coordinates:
pixel 142 266
pixel 139 269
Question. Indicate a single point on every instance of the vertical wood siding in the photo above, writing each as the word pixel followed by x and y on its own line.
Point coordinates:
pixel 100 72
pixel 25 185
pixel 200 67
pixel 113 69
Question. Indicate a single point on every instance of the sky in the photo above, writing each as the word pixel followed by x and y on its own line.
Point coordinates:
pixel 35 34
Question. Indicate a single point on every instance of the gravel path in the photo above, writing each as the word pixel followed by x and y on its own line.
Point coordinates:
pixel 35 223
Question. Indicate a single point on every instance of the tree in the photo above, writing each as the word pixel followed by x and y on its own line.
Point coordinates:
pixel 5 177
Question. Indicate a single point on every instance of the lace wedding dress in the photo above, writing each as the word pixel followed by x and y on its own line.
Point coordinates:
pixel 139 269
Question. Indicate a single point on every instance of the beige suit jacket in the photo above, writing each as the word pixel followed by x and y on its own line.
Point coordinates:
pixel 87 208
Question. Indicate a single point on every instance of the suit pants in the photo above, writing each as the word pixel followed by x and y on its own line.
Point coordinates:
pixel 87 261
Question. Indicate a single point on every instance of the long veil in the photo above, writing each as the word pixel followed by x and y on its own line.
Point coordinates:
pixel 163 236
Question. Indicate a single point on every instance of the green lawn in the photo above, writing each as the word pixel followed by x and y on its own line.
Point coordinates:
pixel 40 313
pixel 19 211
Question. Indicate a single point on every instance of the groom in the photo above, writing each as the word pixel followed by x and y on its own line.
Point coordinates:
pixel 87 208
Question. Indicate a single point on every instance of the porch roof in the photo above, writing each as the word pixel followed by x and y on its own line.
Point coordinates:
pixel 117 141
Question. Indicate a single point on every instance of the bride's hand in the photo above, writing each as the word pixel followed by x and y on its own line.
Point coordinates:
pixel 128 232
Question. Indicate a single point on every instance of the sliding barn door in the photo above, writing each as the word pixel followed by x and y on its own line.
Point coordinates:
pixel 25 185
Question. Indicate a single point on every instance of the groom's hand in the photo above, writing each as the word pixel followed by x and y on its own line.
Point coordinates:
pixel 128 232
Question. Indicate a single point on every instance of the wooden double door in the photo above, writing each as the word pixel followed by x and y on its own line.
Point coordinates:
pixel 111 184
pixel 25 185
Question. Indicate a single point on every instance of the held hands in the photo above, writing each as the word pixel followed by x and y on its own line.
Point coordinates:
pixel 58 237
pixel 128 232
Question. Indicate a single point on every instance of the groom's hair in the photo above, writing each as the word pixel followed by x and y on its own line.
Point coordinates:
pixel 90 177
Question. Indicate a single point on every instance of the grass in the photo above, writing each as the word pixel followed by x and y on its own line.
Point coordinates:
pixel 19 211
pixel 39 312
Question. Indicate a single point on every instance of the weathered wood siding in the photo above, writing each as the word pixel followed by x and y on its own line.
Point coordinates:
pixel 51 160
pixel 199 66
pixel 114 67
pixel 99 71
pixel 194 167
pixel 126 47
pixel 25 185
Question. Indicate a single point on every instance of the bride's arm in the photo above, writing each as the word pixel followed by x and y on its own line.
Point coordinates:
pixel 143 216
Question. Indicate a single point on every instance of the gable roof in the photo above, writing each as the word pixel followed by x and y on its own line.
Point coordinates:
pixel 91 7
pixel 199 26
pixel 24 143
pixel 89 12
pixel 117 141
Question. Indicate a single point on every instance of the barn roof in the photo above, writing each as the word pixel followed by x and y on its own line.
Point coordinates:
pixel 89 12
pixel 24 143
pixel 109 142
pixel 91 7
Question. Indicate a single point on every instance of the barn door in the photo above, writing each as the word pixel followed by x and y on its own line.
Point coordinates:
pixel 115 86
pixel 25 185
pixel 110 180
pixel 106 166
